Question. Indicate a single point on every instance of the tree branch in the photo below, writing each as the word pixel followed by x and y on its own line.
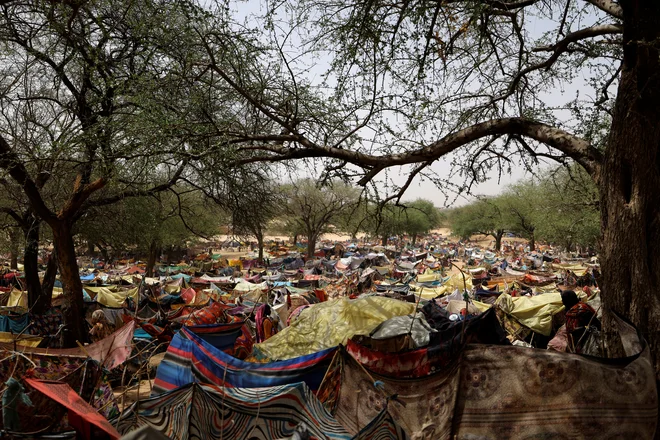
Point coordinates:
pixel 576 148
pixel 10 162
pixel 608 6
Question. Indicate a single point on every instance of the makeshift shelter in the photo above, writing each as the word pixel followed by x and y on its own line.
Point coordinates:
pixel 504 392
pixel 331 323
pixel 204 412
pixel 191 359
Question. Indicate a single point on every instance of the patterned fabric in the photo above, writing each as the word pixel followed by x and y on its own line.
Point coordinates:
pixel 208 412
pixel 506 392
pixel 46 324
pixel 190 359
pixel 215 313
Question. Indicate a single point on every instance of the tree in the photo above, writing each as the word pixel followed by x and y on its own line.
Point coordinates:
pixel 569 213
pixel 313 208
pixel 481 217
pixel 99 91
pixel 479 83
pixel 147 225
pixel 520 208
pixel 419 217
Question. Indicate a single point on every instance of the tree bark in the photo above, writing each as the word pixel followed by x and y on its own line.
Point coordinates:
pixel 532 242
pixel 414 239
pixel 629 182
pixel 49 278
pixel 311 244
pixel 384 240
pixel 72 308
pixel 38 301
pixel 13 249
pixel 154 251
pixel 260 245
pixel 498 239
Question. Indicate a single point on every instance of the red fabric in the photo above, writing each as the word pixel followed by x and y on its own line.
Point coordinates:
pixel 208 315
pixel 579 316
pixel 188 295
pixel 85 417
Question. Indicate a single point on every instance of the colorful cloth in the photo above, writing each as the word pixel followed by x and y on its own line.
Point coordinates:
pixel 578 318
pixel 209 412
pixel 191 359
pixel 505 392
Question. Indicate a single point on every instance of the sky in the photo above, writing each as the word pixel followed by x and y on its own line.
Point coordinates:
pixel 243 10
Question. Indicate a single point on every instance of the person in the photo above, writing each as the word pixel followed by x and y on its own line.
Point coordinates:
pixel 100 326
pixel 579 316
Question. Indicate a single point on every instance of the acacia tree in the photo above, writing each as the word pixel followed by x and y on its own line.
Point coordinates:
pixel 520 209
pixel 480 82
pixel 111 79
pixel 313 208
pixel 481 217
pixel 569 212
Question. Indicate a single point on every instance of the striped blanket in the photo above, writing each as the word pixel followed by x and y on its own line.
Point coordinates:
pixel 191 359
pixel 207 412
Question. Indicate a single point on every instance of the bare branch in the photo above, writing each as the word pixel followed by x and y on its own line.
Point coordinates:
pixel 608 6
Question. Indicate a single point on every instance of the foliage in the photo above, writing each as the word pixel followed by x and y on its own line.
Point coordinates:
pixel 481 217
pixel 312 209
pixel 136 224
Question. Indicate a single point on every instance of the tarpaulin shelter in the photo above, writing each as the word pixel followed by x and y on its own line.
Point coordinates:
pixel 198 411
pixel 89 424
pixel 331 323
pixel 191 359
pixel 505 392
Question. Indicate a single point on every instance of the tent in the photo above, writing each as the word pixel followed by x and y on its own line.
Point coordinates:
pixel 331 323
pixel 191 359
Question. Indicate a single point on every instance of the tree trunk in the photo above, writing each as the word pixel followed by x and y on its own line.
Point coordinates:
pixel 498 239
pixel 384 240
pixel 49 278
pixel 72 308
pixel 90 249
pixel 532 242
pixel 311 244
pixel 629 182
pixel 260 245
pixel 38 301
pixel 414 239
pixel 295 239
pixel 154 251
pixel 13 249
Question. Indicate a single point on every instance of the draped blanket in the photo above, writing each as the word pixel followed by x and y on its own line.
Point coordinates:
pixel 191 359
pixel 234 339
pixel 491 392
pixel 209 412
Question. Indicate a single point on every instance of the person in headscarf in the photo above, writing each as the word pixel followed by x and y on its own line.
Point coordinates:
pixel 265 323
pixel 579 316
pixel 100 326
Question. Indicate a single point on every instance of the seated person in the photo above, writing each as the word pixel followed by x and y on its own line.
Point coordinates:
pixel 579 316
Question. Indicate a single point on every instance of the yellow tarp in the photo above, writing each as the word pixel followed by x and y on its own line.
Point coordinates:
pixel 429 276
pixel 456 282
pixel 331 323
pixel 31 341
pixel 534 312
pixel 115 299
pixel 432 292
pixel 18 299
